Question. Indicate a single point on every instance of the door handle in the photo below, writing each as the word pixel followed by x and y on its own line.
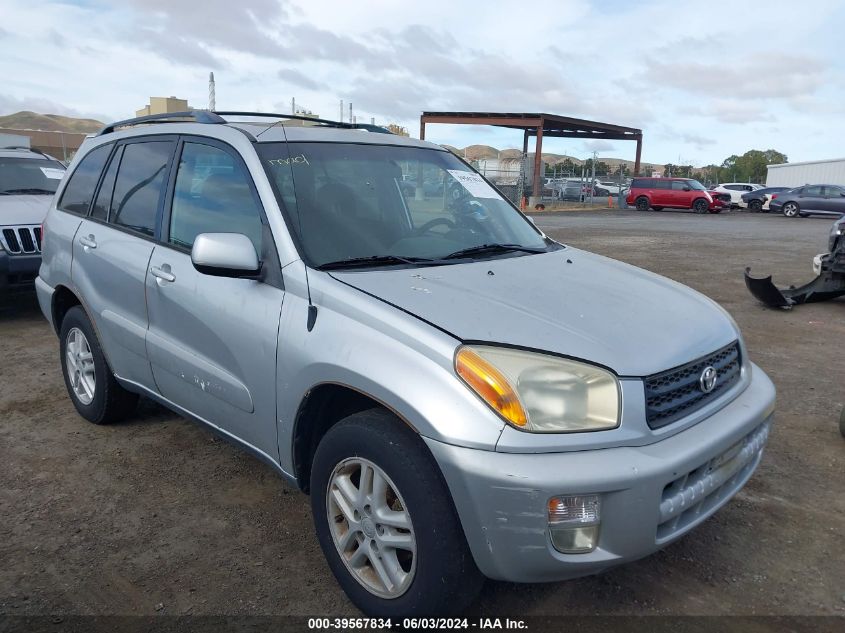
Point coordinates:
pixel 162 274
pixel 88 242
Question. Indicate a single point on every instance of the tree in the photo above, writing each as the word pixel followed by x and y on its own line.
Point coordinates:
pixel 751 166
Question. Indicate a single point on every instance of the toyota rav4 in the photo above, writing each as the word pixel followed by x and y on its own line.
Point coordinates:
pixel 461 395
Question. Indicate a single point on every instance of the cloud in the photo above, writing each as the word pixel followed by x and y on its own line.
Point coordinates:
pixel 769 75
pixel 599 145
pixel 730 111
pixel 10 105
pixel 293 76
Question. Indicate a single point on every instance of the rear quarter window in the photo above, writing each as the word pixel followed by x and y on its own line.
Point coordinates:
pixel 79 191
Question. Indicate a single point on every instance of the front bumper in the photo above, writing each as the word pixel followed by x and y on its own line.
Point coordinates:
pixel 650 495
pixel 18 271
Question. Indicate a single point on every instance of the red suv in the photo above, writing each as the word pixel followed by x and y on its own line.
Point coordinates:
pixel 677 193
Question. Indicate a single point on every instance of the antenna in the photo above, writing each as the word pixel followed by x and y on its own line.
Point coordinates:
pixel 212 102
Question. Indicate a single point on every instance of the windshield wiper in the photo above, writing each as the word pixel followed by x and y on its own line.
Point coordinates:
pixel 32 191
pixel 375 260
pixel 492 248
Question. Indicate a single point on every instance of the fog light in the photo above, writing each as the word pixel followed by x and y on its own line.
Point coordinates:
pixel 574 523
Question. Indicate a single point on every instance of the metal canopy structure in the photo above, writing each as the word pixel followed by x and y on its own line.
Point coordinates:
pixel 540 124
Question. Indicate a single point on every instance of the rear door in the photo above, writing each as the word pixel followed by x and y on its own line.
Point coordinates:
pixel 661 192
pixel 113 246
pixel 834 199
pixel 212 340
pixel 812 199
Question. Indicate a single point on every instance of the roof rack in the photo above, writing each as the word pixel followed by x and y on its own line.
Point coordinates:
pixel 197 116
pixel 297 117
pixel 216 116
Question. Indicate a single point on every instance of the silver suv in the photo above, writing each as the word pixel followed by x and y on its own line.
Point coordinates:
pixel 28 180
pixel 460 395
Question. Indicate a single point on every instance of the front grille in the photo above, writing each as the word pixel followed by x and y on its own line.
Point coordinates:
pixel 675 393
pixel 22 240
pixel 694 496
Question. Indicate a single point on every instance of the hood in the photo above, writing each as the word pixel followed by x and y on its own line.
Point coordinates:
pixel 569 302
pixel 19 210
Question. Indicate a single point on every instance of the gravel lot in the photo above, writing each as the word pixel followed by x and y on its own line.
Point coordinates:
pixel 156 515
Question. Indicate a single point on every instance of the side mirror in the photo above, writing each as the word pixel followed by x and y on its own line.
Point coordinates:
pixel 225 255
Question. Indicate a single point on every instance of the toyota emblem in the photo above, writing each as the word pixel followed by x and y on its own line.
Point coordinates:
pixel 707 382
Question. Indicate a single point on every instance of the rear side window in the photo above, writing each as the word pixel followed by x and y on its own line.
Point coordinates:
pixel 79 191
pixel 678 185
pixel 100 210
pixel 815 190
pixel 212 195
pixel 662 184
pixel 140 185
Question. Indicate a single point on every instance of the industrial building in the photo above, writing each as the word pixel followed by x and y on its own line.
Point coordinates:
pixel 163 105
pixel 831 171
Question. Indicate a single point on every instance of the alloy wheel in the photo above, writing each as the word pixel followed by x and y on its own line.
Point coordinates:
pixel 371 527
pixel 80 366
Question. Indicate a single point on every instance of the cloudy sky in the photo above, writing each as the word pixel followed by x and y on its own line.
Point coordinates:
pixel 702 79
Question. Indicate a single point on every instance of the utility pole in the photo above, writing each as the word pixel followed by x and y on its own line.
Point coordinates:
pixel 593 178
pixel 340 118
pixel 293 105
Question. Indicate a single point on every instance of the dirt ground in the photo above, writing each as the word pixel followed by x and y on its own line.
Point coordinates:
pixel 156 515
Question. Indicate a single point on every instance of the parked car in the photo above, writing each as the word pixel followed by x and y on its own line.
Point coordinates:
pixel 612 188
pixel 810 200
pixel 675 193
pixel 720 197
pixel 28 180
pixel 736 189
pixel 454 410
pixel 758 200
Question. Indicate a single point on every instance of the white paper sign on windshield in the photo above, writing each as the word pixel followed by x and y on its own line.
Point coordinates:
pixel 473 183
pixel 52 173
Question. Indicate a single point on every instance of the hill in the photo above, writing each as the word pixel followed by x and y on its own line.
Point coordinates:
pixel 27 120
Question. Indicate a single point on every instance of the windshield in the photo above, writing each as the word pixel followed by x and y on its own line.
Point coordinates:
pixel 351 201
pixel 694 184
pixel 29 176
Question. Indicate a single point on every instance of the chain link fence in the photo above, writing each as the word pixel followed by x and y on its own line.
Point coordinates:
pixel 561 185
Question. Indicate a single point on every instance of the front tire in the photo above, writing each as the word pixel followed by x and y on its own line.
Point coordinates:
pixel 90 382
pixel 791 210
pixel 700 205
pixel 755 206
pixel 642 203
pixel 386 522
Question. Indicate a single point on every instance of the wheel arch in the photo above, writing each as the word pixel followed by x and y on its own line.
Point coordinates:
pixel 63 300
pixel 323 406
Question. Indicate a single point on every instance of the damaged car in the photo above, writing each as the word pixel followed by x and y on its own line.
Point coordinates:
pixel 460 395
pixel 828 284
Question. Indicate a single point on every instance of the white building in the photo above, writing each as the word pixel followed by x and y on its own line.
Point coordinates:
pixel 818 172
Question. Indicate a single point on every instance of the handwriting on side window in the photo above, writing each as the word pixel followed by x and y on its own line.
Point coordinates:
pixel 293 160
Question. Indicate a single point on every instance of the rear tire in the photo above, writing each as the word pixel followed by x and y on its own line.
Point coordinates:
pixel 791 210
pixel 642 203
pixel 700 205
pixel 90 382
pixel 438 576
pixel 755 206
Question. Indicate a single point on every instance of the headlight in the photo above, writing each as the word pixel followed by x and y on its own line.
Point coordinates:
pixel 541 393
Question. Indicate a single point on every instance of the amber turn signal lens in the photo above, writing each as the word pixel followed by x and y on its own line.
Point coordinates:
pixel 489 383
